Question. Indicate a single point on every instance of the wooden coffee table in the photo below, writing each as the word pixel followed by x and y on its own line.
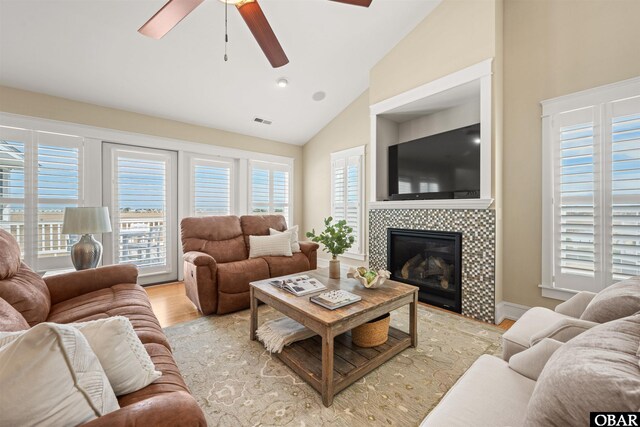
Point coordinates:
pixel 330 362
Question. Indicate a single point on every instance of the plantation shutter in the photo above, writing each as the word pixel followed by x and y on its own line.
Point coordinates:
pixel 58 186
pixel 140 209
pixel 270 189
pixel 211 187
pixel 14 175
pixel 347 191
pixel 577 218
pixel 339 172
pixel 624 143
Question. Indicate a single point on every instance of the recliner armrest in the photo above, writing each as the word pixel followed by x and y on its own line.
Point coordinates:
pixel 575 305
pixel 563 330
pixel 178 408
pixel 310 250
pixel 531 362
pixel 199 258
pixel 70 285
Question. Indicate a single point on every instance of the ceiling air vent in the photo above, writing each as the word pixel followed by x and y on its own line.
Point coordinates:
pixel 263 121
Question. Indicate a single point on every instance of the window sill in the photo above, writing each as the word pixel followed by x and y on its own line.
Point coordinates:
pixel 359 257
pixel 556 293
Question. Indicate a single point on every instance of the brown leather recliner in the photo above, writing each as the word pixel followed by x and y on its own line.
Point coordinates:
pixel 26 300
pixel 217 267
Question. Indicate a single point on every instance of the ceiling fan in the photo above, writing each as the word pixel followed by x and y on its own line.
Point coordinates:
pixel 175 11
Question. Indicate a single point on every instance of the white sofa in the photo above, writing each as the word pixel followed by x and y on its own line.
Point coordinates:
pixel 574 316
pixel 551 383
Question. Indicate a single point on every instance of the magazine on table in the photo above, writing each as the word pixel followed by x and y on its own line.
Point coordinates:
pixel 299 285
pixel 335 299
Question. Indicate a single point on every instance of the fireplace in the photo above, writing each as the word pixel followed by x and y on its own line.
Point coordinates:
pixel 430 260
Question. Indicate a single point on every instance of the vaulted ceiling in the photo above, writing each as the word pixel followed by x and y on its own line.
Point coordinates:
pixel 90 51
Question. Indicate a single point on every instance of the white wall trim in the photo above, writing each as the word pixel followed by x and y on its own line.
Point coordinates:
pixel 596 95
pixel 509 310
pixel 466 75
pixel 132 138
pixel 433 204
pixel 560 294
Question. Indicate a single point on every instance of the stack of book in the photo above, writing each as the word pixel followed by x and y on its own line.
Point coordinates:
pixel 335 299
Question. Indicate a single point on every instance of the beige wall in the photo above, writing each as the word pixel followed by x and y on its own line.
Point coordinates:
pixel 349 129
pixel 49 107
pixel 457 34
pixel 551 48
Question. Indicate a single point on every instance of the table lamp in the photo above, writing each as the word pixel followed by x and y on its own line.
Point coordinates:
pixel 86 253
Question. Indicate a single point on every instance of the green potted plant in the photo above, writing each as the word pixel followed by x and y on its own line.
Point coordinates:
pixel 337 238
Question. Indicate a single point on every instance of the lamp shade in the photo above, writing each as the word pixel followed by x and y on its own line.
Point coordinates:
pixel 86 221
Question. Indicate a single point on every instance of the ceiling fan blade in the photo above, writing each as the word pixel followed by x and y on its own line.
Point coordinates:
pixel 256 21
pixel 363 3
pixel 168 17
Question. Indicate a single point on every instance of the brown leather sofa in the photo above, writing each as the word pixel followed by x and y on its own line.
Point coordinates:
pixel 26 300
pixel 217 267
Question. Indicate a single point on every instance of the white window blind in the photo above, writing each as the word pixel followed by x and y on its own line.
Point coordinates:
pixel 40 175
pixel 140 213
pixel 625 188
pixel 593 142
pixel 576 209
pixel 211 187
pixel 270 189
pixel 347 192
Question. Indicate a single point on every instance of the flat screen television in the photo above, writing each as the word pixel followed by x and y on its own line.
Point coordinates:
pixel 441 166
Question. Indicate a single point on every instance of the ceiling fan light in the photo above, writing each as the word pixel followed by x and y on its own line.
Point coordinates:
pixel 283 82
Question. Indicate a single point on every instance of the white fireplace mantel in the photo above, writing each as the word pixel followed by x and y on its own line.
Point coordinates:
pixel 433 204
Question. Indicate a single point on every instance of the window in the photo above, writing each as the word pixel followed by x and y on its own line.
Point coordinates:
pixel 347 193
pixel 140 190
pixel 211 187
pixel 270 189
pixel 39 177
pixel 591 188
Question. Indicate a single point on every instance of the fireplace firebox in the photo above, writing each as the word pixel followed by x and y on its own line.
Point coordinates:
pixel 430 260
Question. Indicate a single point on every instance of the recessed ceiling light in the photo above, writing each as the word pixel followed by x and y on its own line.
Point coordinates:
pixel 319 96
pixel 282 82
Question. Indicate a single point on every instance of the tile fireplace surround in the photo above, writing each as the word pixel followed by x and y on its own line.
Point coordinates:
pixel 478 228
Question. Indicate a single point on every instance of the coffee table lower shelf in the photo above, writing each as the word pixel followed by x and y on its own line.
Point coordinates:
pixel 350 362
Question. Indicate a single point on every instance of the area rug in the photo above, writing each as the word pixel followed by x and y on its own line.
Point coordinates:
pixel 238 383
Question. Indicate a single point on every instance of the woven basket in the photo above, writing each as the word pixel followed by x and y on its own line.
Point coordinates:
pixel 373 333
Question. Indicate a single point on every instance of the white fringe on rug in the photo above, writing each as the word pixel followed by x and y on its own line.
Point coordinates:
pixel 275 334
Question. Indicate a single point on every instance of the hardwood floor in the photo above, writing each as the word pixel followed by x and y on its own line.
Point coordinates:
pixel 171 305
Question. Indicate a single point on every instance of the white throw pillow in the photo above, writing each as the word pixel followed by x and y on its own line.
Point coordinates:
pixel 121 353
pixel 293 232
pixel 276 245
pixel 50 376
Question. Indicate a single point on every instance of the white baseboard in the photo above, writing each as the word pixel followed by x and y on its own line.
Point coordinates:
pixel 509 310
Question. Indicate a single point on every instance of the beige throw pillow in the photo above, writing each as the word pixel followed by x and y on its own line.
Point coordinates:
pixel 121 353
pixel 619 300
pixel 293 233
pixel 50 376
pixel 597 371
pixel 276 245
